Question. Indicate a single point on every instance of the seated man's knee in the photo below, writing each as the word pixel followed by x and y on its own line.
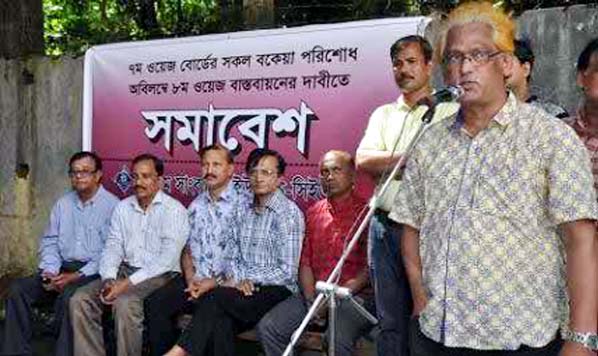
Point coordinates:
pixel 266 326
pixel 128 307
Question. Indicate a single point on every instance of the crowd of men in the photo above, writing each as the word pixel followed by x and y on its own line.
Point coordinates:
pixel 484 245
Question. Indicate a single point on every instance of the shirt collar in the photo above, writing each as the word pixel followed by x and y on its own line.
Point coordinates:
pixel 338 206
pixel 503 118
pixel 91 200
pixel 275 202
pixel 227 194
pixel 158 199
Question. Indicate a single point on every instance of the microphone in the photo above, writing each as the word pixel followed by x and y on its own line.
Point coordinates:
pixel 448 94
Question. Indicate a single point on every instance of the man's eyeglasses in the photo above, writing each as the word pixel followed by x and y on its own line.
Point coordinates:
pixel 81 174
pixel 476 58
pixel 263 172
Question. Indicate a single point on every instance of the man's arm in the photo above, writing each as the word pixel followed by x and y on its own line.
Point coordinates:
pixel 413 267
pixel 375 162
pixel 582 274
pixel 307 282
pixel 49 254
pixel 187 265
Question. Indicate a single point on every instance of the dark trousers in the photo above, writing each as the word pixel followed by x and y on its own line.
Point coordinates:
pixel 222 313
pixel 23 295
pixel 161 309
pixel 421 345
pixel 393 295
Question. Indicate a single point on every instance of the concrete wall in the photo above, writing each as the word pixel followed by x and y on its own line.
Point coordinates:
pixel 40 122
pixel 40 127
pixel 558 36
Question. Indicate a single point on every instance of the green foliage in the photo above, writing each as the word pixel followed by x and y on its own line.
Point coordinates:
pixel 72 26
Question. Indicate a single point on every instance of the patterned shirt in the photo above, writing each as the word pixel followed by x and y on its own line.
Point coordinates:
pixel 590 140
pixel 214 235
pixel 396 124
pixel 487 210
pixel 76 231
pixel 150 240
pixel 270 244
pixel 327 225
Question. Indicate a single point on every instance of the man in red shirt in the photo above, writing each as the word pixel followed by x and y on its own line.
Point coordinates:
pixel 330 224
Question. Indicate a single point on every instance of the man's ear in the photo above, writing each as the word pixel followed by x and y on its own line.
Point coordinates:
pixel 506 62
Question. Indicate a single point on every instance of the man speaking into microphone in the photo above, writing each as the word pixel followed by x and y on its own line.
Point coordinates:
pixel 484 195
pixel 390 129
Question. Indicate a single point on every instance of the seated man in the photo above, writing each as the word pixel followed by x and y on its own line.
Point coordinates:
pixel 69 254
pixel 265 268
pixel 520 79
pixel 215 216
pixel 329 227
pixel 147 233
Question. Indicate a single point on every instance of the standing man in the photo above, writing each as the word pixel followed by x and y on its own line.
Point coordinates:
pixel 330 224
pixel 215 217
pixel 585 123
pixel 390 129
pixel 484 197
pixel 521 77
pixel 69 255
pixel 147 233
pixel 265 269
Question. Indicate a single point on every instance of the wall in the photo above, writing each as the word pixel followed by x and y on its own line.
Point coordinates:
pixel 40 127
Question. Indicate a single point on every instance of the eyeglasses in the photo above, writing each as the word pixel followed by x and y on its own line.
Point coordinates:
pixel 263 172
pixel 476 58
pixel 81 174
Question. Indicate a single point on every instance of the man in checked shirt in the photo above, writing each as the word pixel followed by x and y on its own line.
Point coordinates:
pixel 147 233
pixel 265 268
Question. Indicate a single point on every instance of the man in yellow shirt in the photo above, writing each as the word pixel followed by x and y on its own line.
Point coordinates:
pixel 390 129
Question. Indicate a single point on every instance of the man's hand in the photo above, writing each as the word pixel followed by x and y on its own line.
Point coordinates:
pixel 47 278
pixel 64 279
pixel 419 304
pixel 114 290
pixel 246 287
pixel 574 349
pixel 197 288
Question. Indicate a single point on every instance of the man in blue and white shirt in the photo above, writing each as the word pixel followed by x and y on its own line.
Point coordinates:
pixel 69 254
pixel 215 217
pixel 265 267
pixel 147 233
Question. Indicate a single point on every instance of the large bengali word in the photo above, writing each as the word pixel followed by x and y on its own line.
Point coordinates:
pixel 216 125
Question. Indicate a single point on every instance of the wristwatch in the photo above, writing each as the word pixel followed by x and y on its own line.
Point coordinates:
pixel 588 340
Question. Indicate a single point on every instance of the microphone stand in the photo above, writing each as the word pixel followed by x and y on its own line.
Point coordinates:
pixel 329 289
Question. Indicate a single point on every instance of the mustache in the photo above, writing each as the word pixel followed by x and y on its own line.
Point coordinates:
pixel 209 176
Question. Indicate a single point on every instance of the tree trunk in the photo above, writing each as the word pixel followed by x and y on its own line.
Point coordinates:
pixel 258 13
pixel 21 28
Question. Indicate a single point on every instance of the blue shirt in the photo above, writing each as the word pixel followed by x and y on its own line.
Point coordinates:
pixel 150 240
pixel 76 231
pixel 214 235
pixel 270 244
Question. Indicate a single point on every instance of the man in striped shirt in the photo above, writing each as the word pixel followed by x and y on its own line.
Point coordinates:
pixel 69 254
pixel 265 268
pixel 147 233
